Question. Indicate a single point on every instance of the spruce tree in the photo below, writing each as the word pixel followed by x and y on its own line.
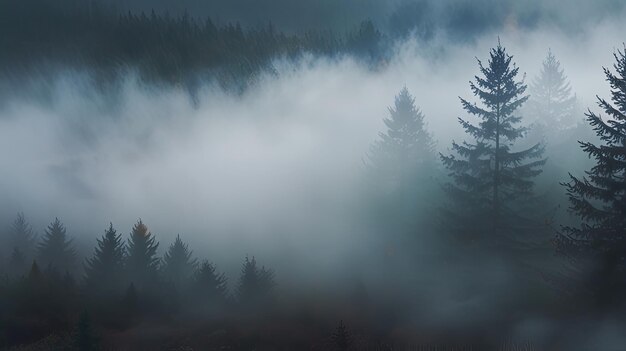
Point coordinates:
pixel 142 261
pixel 255 284
pixel 103 271
pixel 209 283
pixel 21 237
pixel 406 150
pixel 178 265
pixel 599 198
pixel 55 249
pixel 551 102
pixel 208 290
pixel 490 178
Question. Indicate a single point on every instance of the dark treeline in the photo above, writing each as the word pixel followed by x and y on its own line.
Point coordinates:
pixel 40 36
pixel 122 284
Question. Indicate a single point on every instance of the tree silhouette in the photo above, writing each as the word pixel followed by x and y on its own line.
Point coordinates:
pixel 22 238
pixel 406 150
pixel 551 101
pixel 255 284
pixel 489 177
pixel 341 337
pixel 178 265
pixel 56 249
pixel 599 198
pixel 103 271
pixel 141 260
pixel 209 289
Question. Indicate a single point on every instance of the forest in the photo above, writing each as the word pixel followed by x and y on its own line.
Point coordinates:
pixel 410 175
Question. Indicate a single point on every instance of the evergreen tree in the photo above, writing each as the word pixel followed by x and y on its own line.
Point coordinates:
pixel 491 179
pixel 209 288
pixel 103 271
pixel 178 266
pixel 599 198
pixel 552 103
pixel 141 260
pixel 21 237
pixel 55 249
pixel 406 150
pixel 342 337
pixel 255 284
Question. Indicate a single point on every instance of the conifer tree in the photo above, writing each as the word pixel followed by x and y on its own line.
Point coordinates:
pixel 21 237
pixel 178 265
pixel 103 271
pixel 141 260
pixel 209 288
pixel 255 284
pixel 490 178
pixel 599 198
pixel 55 249
pixel 551 102
pixel 406 150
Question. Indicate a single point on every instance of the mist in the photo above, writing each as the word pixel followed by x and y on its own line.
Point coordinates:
pixel 278 171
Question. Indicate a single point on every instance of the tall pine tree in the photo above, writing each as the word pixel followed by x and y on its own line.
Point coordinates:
pixel 103 271
pixel 599 198
pixel 178 265
pixel 490 177
pixel 55 249
pixel 141 260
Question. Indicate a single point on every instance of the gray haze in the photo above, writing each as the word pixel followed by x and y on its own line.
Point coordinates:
pixel 276 172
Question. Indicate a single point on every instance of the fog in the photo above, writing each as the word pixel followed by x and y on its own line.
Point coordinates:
pixel 277 171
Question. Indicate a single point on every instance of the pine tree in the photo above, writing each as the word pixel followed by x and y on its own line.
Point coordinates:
pixel 141 260
pixel 599 198
pixel 255 284
pixel 406 150
pixel 552 102
pixel 341 337
pixel 55 249
pixel 490 178
pixel 103 271
pixel 21 237
pixel 178 266
pixel 209 288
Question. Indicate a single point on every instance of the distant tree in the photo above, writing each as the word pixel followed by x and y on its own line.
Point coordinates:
pixel 342 337
pixel 103 271
pixel 141 260
pixel 599 199
pixel 178 265
pixel 22 238
pixel 209 289
pixel 551 102
pixel 255 284
pixel 405 154
pixel 56 249
pixel 209 283
pixel 491 180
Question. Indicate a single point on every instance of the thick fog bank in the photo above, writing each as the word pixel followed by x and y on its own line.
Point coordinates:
pixel 276 172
